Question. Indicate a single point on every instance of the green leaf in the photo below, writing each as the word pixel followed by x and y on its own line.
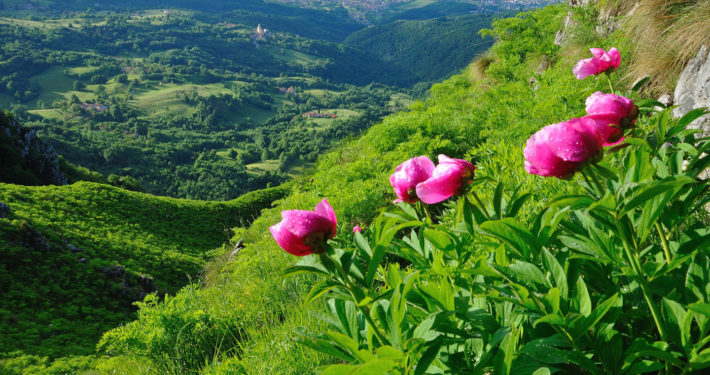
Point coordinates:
pixel 650 190
pixel 674 315
pixel 558 273
pixel 581 302
pixel 349 345
pixel 427 358
pixel 338 369
pixel 388 352
pixel 376 366
pixel 691 116
pixel 498 200
pixel 580 326
pixel 511 232
pixel 362 244
pixel 377 256
pixel 702 308
pixel 439 239
pixel 528 274
pixel 303 269
pixel 640 83
pixel 321 288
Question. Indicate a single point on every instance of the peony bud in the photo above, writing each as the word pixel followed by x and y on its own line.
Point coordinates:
pixel 305 232
pixel 448 178
pixel 559 150
pixel 407 175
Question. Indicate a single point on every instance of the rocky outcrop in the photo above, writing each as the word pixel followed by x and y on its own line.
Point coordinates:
pixel 4 210
pixel 132 288
pixel 22 146
pixel 33 241
pixel 693 90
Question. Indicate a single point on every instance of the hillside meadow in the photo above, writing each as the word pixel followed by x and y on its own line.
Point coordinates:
pixel 245 316
pixel 75 257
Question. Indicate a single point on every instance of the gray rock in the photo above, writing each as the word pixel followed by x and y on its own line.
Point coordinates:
pixel 4 210
pixel 693 90
pixel 114 272
pixel 666 99
pixel 237 248
pixel 34 241
pixel 83 260
pixel 37 156
pixel 74 249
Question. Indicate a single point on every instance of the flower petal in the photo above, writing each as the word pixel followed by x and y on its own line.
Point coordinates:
pixel 288 241
pixel 587 67
pixel 302 223
pixel 324 208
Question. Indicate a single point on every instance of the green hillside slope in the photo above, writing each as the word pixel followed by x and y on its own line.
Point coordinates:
pixel 486 120
pixel 428 50
pixel 73 258
pixel 240 318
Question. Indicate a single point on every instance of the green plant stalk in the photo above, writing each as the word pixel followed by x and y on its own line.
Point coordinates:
pixel 597 181
pixel 608 79
pixel 352 288
pixel 423 207
pixel 633 260
pixel 664 242
pixel 480 203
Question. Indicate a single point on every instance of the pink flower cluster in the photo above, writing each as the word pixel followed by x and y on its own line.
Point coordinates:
pixel 557 150
pixel 418 178
pixel 306 232
pixel 602 61
pixel 560 150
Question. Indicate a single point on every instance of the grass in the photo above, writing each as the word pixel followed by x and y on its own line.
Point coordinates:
pixel 291 56
pixel 297 169
pixel 48 23
pixel 54 84
pixel 340 113
pixel 167 98
pixel 666 35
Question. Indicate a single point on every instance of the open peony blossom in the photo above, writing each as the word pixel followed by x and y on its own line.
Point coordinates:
pixel 559 150
pixel 305 232
pixel 600 63
pixel 407 175
pixel 447 179
pixel 620 108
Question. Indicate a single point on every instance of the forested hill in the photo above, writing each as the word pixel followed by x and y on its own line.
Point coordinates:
pixel 428 50
pixel 333 24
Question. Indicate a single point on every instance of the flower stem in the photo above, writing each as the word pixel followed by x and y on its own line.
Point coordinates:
pixel 635 263
pixel 664 242
pixel 608 79
pixel 357 297
pixel 424 208
pixel 597 181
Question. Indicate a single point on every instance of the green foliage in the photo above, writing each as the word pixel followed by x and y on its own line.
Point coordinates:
pixel 602 282
pixel 61 245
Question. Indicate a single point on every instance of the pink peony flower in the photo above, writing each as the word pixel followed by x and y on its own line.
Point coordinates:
pixel 407 175
pixel 305 232
pixel 559 150
pixel 447 180
pixel 357 229
pixel 600 63
pixel 613 114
